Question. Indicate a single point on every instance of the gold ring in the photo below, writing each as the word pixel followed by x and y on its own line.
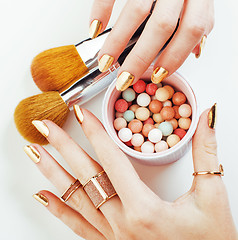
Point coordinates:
pixel 69 191
pixel 99 189
pixel 220 172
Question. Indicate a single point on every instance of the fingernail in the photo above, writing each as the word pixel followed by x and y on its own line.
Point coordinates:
pixel 105 62
pixel 32 153
pixel 41 127
pixel 124 81
pixel 159 75
pixel 212 116
pixel 95 28
pixel 201 47
pixel 41 198
pixel 78 113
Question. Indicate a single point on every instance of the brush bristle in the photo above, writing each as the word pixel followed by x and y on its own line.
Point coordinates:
pixel 55 68
pixel 47 105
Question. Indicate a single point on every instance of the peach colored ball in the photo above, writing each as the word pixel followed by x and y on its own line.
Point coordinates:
pixel 146 129
pixel 142 113
pixel 179 98
pixel 149 120
pixel 119 123
pixel 172 140
pixel 138 149
pixel 162 94
pixel 137 140
pixel 184 123
pixel 176 111
pixel 118 115
pixel 135 125
pixel 185 110
pixel 174 123
pixel 170 90
pixel 157 117
pixel 134 107
pixel 167 113
pixel 155 106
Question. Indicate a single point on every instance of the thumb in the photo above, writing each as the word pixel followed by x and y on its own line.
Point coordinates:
pixel 204 143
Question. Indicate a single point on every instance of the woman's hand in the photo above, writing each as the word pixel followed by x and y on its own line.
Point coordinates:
pixel 196 22
pixel 136 213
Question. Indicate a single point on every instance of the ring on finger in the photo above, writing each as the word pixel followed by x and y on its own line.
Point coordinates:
pixel 99 189
pixel 69 191
pixel 220 172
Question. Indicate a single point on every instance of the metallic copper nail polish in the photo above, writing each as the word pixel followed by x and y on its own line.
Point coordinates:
pixel 95 28
pixel 105 62
pixel 78 113
pixel 41 198
pixel 124 81
pixel 212 116
pixel 41 127
pixel 32 153
pixel 201 46
pixel 159 75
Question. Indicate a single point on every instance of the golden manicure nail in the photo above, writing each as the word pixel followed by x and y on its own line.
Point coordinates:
pixel 159 75
pixel 41 198
pixel 201 47
pixel 78 113
pixel 41 127
pixel 95 28
pixel 32 153
pixel 212 116
pixel 124 81
pixel 105 62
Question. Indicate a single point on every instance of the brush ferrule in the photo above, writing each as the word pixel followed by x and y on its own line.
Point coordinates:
pixel 89 86
pixel 89 49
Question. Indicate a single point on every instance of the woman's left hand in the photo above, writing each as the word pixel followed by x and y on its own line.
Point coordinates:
pixel 136 212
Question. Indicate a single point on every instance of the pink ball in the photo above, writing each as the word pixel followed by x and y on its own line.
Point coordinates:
pixel 139 86
pixel 119 123
pixel 121 105
pixel 151 88
pixel 149 121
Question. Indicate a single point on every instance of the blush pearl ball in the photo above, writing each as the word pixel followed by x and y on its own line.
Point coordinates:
pixel 155 106
pixel 125 134
pixel 142 113
pixel 162 94
pixel 146 129
pixel 147 147
pixel 155 135
pixel 135 125
pixel 143 99
pixel 172 140
pixel 137 140
pixel 179 98
pixel 161 146
pixel 167 113
pixel 184 123
pixel 158 118
pixel 185 110
pixel 119 123
pixel 170 90
pixel 134 107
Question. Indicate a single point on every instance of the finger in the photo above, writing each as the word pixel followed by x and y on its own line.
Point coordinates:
pixel 83 166
pixel 118 167
pixel 132 15
pixel 61 179
pixel 68 216
pixel 100 15
pixel 193 26
pixel 158 29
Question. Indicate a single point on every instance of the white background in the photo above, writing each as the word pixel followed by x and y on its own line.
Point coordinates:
pixel 29 27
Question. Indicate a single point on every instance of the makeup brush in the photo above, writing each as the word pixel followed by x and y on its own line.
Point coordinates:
pixel 56 106
pixel 58 68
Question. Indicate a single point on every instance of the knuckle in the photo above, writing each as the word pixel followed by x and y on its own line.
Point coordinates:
pixel 210 147
pixel 141 7
pixel 140 60
pixel 196 29
pixel 166 22
pixel 77 202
